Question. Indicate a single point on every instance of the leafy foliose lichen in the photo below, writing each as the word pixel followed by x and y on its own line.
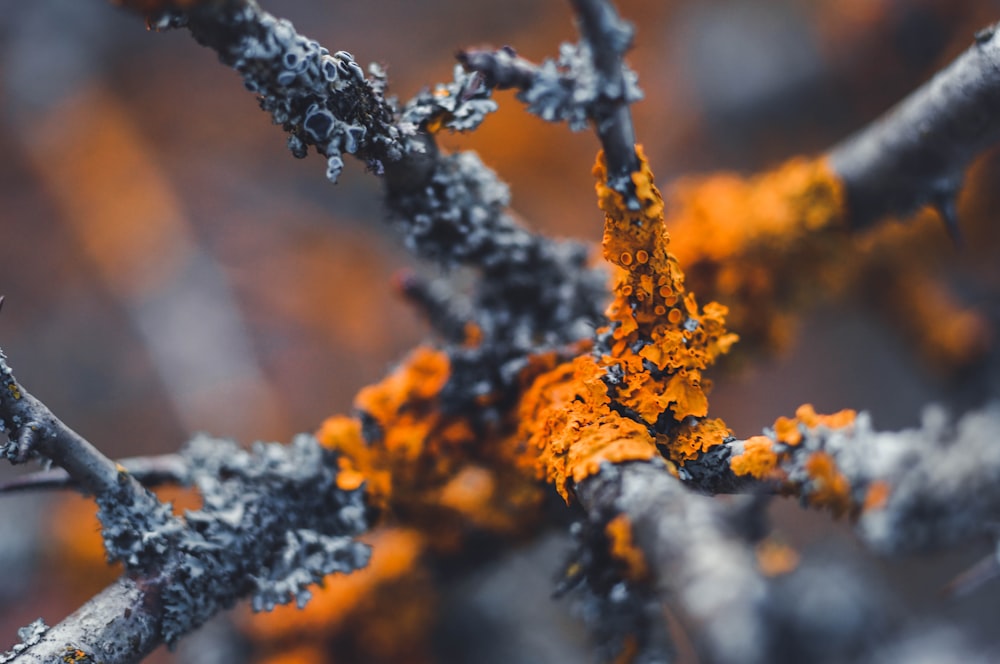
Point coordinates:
pixel 460 105
pixel 570 89
pixel 640 392
pixel 273 522
pixel 29 636
pixel 319 98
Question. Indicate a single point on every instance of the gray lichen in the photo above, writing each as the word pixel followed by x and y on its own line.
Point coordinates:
pixel 531 294
pixel 138 535
pixel 943 478
pixel 320 99
pixel 272 523
pixel 306 558
pixel 462 104
pixel 12 424
pixel 622 616
pixel 29 636
pixel 569 89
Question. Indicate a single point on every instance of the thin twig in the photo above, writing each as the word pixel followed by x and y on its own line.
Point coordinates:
pixel 149 471
pixel 609 37
pixel 33 429
pixel 587 82
pixel 273 523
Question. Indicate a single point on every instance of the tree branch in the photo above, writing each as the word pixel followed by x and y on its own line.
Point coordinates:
pixel 148 471
pixel 273 522
pixel 609 37
pixel 32 429
pixel 917 152
pixel 120 625
pixel 910 490
pixel 588 81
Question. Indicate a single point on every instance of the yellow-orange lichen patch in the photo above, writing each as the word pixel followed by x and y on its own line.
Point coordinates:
pixel 829 486
pixel 648 324
pixel 381 613
pixel 746 241
pixel 472 495
pixel 690 440
pixel 473 335
pixel 877 495
pixel 719 216
pixel 757 459
pixel 421 377
pixel 623 548
pixel 412 440
pixel 684 391
pixel 612 439
pixel 395 551
pixel 303 654
pixel 786 430
pixel 575 415
pixel 808 416
pixel 430 469
pixel 358 462
pixel 566 419
pixel 775 558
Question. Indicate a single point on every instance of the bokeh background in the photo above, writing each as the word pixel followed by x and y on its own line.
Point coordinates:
pixel 168 267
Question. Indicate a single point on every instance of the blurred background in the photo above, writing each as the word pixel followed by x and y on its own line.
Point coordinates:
pixel 168 267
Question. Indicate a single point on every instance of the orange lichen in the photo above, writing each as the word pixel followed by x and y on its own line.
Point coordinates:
pixel 566 418
pixel 801 195
pixel 623 548
pixel 73 655
pixel 773 244
pixel 473 335
pixel 661 342
pixel 745 241
pixel 305 654
pixel 690 440
pixel 949 334
pixel 775 558
pixel 357 463
pixel 421 377
pixel 877 495
pixel 426 467
pixel 829 486
pixel 808 416
pixel 758 459
pixel 786 430
pixel 381 611
pixel 414 443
